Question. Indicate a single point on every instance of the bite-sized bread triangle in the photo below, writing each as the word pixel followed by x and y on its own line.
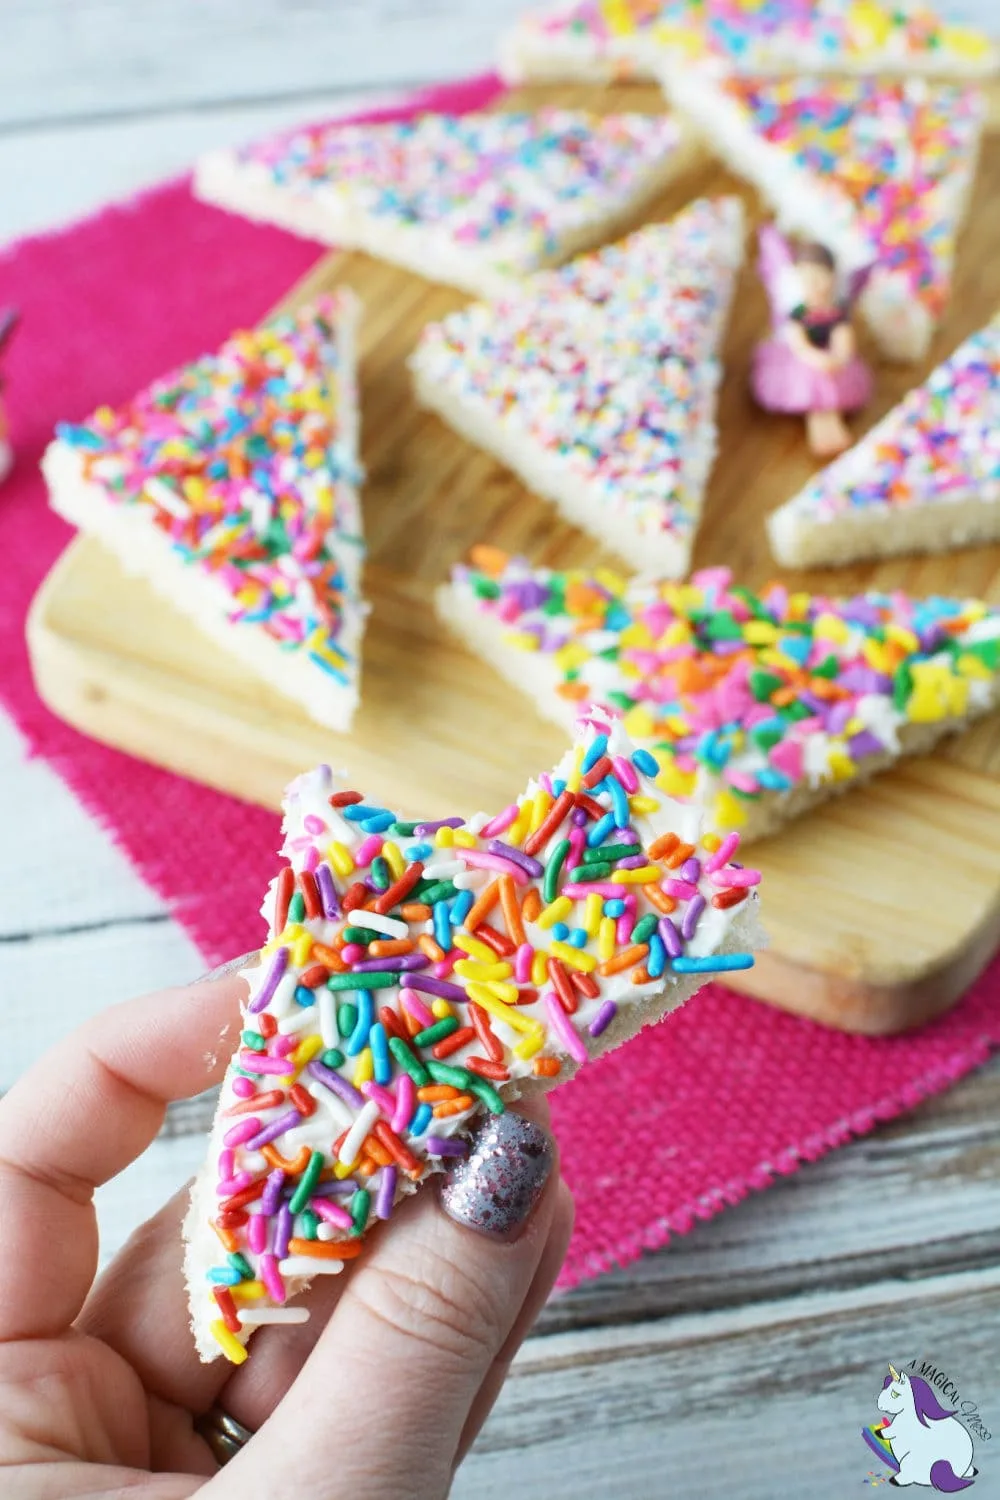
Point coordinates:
pixel 605 39
pixel 879 171
pixel 924 479
pixel 597 383
pixel 758 706
pixel 417 975
pixel 231 485
pixel 469 199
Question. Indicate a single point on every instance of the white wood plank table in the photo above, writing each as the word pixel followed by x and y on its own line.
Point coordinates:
pixel 742 1361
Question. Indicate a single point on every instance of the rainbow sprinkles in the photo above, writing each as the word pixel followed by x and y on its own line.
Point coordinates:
pixel 757 706
pixel 606 38
pixel 924 479
pixel 473 199
pixel 880 171
pixel 597 383
pixel 418 974
pixel 231 485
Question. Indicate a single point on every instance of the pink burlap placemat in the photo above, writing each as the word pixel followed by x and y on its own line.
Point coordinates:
pixel 686 1119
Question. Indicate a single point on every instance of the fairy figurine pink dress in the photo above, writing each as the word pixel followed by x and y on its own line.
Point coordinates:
pixel 810 364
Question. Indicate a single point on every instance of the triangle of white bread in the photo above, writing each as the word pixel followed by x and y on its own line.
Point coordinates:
pixel 268 565
pixel 604 40
pixel 481 873
pixel 884 153
pixel 597 383
pixel 906 673
pixel 471 199
pixel 926 478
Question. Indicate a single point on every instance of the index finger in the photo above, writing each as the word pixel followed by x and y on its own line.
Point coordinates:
pixel 76 1119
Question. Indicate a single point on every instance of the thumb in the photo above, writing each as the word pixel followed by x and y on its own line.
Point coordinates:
pixel 380 1406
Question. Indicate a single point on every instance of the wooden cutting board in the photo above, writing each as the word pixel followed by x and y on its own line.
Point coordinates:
pixel 882 906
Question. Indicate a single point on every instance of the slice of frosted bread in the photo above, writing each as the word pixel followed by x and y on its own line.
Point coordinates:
pixel 597 383
pixel 607 39
pixel 758 706
pixel 925 479
pixel 879 171
pixel 471 199
pixel 231 485
pixel 418 975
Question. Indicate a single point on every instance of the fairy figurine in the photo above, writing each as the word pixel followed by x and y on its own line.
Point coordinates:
pixel 810 363
pixel 8 322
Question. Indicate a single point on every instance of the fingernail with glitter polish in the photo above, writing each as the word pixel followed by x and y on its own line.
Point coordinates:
pixel 495 1187
pixel 246 961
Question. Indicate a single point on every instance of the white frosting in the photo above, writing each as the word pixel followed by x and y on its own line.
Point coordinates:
pixel 145 551
pixel 310 825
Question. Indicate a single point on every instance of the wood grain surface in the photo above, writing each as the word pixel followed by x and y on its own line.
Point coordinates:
pixel 847 887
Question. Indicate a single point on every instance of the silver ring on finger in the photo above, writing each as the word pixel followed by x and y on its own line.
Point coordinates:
pixel 223 1434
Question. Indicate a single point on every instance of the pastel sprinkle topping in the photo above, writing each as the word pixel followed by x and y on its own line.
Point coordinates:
pixel 245 463
pixel 890 156
pixel 667 285
pixel 507 185
pixel 940 444
pixel 610 364
pixel 413 971
pixel 767 35
pixel 741 694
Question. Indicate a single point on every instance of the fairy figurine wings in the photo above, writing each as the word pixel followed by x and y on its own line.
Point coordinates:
pixel 778 267
pixel 809 364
